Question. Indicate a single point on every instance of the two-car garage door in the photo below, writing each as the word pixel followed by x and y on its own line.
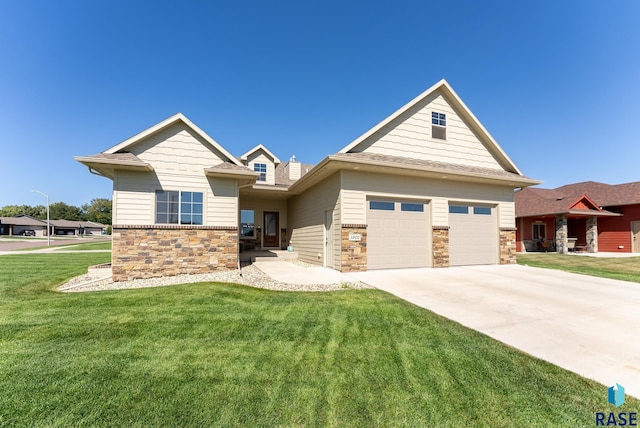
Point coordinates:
pixel 399 234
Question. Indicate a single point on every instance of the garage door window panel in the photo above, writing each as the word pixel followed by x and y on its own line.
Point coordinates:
pixel 481 211
pixel 382 205
pixel 458 209
pixel 412 207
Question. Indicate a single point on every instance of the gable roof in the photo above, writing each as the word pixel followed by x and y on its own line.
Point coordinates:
pixel 264 149
pixel 605 195
pixel 567 199
pixel 176 118
pixel 23 220
pixel 456 102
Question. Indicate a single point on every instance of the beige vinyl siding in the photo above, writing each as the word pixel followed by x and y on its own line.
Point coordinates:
pixel 259 156
pixel 306 220
pixel 135 197
pixel 358 185
pixel 410 136
pixel 177 149
pixel 337 238
pixel 178 158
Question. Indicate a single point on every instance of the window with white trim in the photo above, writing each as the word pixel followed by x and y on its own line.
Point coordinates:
pixel 261 168
pixel 439 125
pixel 247 224
pixel 178 207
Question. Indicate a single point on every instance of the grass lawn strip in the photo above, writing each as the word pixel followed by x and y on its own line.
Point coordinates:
pixel 224 354
pixel 623 268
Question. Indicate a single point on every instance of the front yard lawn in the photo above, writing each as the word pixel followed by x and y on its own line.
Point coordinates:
pixel 226 355
pixel 626 268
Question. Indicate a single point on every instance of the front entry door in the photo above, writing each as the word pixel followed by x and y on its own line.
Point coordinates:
pixel 271 228
pixel 635 236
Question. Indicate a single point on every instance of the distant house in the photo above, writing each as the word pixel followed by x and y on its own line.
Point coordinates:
pixel 588 216
pixel 19 225
pixel 426 187
pixel 74 227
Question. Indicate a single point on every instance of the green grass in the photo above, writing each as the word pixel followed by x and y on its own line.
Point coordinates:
pixel 103 245
pixel 100 245
pixel 227 355
pixel 626 269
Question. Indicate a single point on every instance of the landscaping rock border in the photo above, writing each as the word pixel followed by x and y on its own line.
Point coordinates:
pixel 249 275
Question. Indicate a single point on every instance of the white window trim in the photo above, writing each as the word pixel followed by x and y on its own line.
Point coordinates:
pixel 155 206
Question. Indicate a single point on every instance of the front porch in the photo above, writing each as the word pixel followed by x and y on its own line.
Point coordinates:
pixel 562 233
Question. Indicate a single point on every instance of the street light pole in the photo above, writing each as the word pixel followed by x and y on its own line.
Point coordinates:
pixel 48 225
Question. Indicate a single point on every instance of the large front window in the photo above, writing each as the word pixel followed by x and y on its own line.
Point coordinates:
pixel 177 207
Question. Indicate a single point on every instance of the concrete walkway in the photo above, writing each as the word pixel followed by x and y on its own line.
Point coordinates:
pixel 292 273
pixel 588 325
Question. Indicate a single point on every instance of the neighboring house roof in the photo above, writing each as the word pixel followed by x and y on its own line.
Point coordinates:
pixel 264 149
pixel 606 194
pixel 586 198
pixel 23 220
pixel 455 101
pixel 66 223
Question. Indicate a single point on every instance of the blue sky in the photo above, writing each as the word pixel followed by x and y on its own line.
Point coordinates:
pixel 557 83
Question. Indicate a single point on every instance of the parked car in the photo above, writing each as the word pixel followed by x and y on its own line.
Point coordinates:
pixel 28 232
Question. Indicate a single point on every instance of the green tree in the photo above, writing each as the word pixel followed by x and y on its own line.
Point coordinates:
pixel 98 210
pixel 62 211
pixel 39 211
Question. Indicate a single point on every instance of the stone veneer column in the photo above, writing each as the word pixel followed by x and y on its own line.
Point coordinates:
pixel 353 253
pixel 592 234
pixel 440 240
pixel 168 250
pixel 562 234
pixel 507 246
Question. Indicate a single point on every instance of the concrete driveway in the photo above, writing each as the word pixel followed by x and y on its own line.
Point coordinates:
pixel 588 325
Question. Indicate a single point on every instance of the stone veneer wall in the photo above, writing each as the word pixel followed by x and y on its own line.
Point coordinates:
pixel 507 246
pixel 353 253
pixel 592 234
pixel 440 238
pixel 168 250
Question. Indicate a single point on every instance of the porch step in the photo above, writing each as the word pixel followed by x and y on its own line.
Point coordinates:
pixel 269 256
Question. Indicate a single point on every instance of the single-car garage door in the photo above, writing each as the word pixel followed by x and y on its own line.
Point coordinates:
pixel 397 234
pixel 473 235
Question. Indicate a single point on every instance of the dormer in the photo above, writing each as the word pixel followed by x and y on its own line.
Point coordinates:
pixel 262 161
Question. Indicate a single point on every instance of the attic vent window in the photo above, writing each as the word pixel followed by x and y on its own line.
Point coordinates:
pixel 439 125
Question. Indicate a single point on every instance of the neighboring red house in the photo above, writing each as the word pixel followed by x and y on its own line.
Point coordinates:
pixel 586 216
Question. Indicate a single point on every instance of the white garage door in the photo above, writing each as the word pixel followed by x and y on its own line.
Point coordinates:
pixel 473 235
pixel 397 234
